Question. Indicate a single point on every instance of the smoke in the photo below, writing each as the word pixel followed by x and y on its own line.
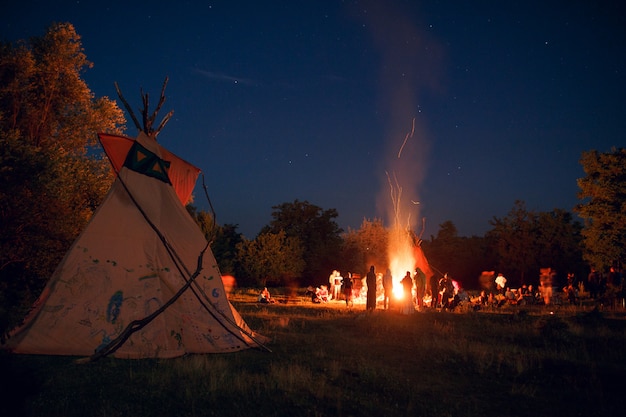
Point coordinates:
pixel 409 68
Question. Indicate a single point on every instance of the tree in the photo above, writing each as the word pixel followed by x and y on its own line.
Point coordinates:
pixel 223 239
pixel 366 246
pixel 464 258
pixel 560 242
pixel 51 177
pixel 603 191
pixel 514 241
pixel 525 241
pixel 443 249
pixel 224 248
pixel 204 220
pixel 270 259
pixel 317 231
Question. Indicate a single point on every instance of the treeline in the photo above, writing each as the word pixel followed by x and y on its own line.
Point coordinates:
pixel 303 244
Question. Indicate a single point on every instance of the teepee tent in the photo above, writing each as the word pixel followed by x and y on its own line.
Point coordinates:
pixel 421 262
pixel 140 281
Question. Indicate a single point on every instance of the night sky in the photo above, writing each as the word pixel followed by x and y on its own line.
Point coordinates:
pixel 458 107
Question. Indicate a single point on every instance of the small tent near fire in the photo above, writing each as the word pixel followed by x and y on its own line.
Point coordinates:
pixel 140 281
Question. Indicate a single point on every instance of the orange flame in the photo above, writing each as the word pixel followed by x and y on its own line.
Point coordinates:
pixel 401 258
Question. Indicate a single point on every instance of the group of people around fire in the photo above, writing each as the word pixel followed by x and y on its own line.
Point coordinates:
pixel 338 288
pixel 607 289
pixel 417 292
pixel 443 293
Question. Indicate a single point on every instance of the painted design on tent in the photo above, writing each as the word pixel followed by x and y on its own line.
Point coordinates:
pixel 150 276
pixel 141 160
pixel 79 284
pixel 105 341
pixel 115 304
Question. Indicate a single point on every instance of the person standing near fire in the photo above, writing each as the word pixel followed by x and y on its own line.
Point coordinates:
pixel 347 289
pixel 370 280
pixel 387 289
pixel 407 287
pixel 420 287
pixel 336 285
pixel 331 282
pixel 434 291
pixel 447 292
pixel 500 284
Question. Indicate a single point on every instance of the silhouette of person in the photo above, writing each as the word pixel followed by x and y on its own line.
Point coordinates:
pixel 370 279
pixel 434 291
pixel 447 287
pixel 265 297
pixel 420 287
pixel 387 288
pixel 407 286
pixel 347 289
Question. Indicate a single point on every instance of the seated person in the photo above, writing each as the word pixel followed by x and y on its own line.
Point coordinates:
pixel 463 296
pixel 510 295
pixel 499 300
pixel 570 293
pixel 322 293
pixel 483 298
pixel 312 292
pixel 265 296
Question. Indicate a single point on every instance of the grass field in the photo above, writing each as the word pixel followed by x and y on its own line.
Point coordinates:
pixel 328 360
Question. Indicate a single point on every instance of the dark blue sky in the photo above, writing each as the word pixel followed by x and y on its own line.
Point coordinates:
pixel 312 100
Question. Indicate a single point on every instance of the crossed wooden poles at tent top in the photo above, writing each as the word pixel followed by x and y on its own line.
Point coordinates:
pixel 148 120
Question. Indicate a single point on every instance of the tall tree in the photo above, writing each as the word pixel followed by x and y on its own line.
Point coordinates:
pixel 603 191
pixel 464 258
pixel 51 176
pixel 525 241
pixel 270 259
pixel 514 239
pixel 364 247
pixel 223 239
pixel 444 248
pixel 316 229
pixel 559 242
pixel 224 246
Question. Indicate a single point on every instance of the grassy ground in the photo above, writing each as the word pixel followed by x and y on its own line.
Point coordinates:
pixel 327 360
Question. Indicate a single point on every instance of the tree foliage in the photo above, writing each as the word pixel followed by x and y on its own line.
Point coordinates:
pixel 525 241
pixel 224 246
pixel 513 238
pixel 560 242
pixel 51 179
pixel 316 229
pixel 271 259
pixel 463 258
pixel 603 191
pixel 444 249
pixel 364 247
pixel 223 239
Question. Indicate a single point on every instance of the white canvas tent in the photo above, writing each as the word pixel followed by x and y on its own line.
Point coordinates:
pixel 134 267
